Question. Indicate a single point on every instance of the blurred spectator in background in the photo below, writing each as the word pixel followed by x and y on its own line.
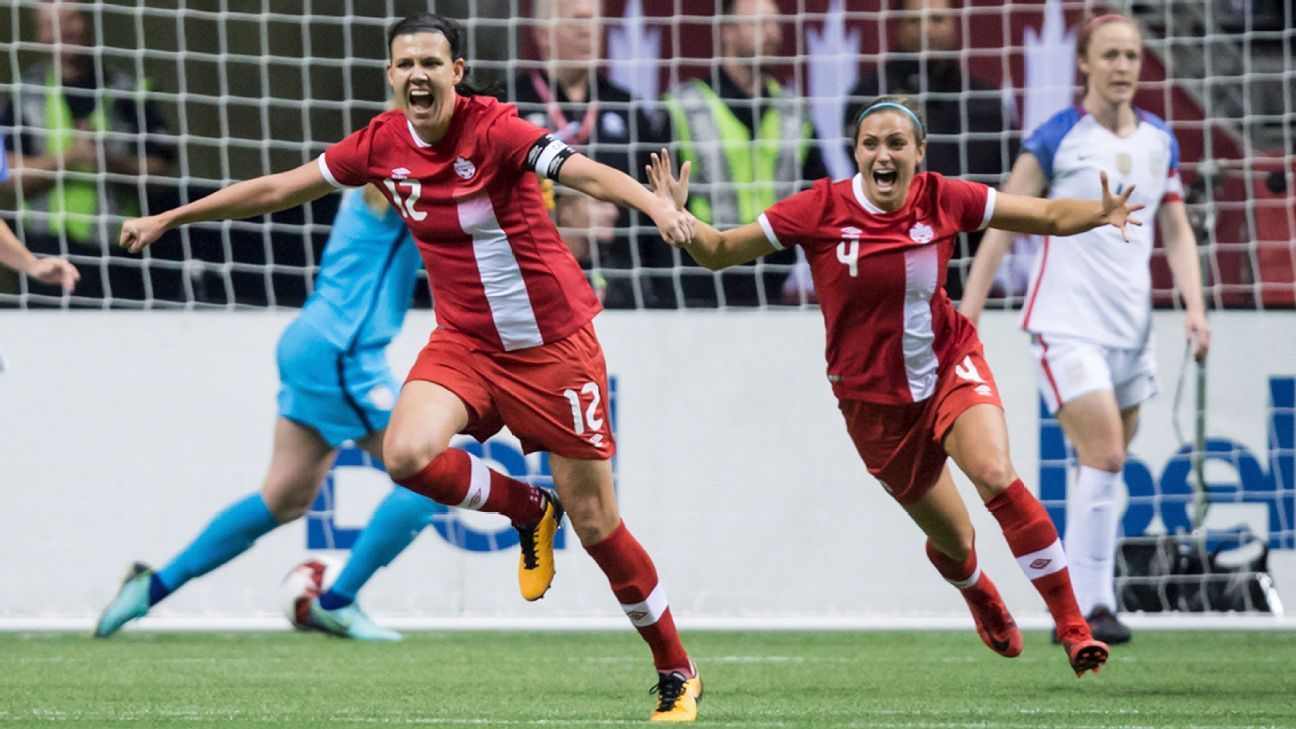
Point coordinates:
pixel 751 143
pixel 601 120
pixel 51 271
pixel 929 68
pixel 83 140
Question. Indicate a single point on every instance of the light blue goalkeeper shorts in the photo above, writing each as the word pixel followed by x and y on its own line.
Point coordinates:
pixel 344 396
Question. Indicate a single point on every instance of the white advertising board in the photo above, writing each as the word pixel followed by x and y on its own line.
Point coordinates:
pixel 122 434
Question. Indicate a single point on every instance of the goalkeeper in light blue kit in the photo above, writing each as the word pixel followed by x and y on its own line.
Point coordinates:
pixel 336 387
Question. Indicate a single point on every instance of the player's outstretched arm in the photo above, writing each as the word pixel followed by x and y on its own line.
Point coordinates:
pixel 53 271
pixel 612 185
pixel 711 248
pixel 258 196
pixel 1027 179
pixel 1181 254
pixel 1065 216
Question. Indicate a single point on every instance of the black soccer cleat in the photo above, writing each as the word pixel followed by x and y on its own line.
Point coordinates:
pixel 1106 627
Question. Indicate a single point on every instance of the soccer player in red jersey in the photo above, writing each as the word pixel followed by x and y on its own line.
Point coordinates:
pixel 514 343
pixel 907 369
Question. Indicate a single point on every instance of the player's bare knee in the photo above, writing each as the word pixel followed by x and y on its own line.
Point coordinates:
pixel 1111 462
pixel 991 474
pixel 592 519
pixel 288 504
pixel 406 454
pixel 956 547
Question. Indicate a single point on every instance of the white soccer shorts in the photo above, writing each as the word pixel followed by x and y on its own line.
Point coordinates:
pixel 1068 367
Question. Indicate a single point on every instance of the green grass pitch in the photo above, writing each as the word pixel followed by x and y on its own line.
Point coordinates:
pixel 944 679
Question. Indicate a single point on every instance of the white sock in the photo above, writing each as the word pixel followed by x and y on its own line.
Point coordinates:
pixel 1091 538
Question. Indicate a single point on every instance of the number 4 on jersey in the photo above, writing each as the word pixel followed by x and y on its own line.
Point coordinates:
pixel 848 254
pixel 406 206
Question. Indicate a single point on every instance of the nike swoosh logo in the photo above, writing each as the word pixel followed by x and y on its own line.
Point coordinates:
pixel 1084 157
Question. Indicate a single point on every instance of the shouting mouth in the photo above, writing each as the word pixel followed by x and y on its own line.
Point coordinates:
pixel 420 100
pixel 884 180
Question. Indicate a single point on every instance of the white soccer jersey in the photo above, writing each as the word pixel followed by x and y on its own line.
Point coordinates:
pixel 1095 285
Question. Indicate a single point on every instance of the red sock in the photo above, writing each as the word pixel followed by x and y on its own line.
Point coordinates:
pixel 959 574
pixel 634 582
pixel 1034 542
pixel 458 478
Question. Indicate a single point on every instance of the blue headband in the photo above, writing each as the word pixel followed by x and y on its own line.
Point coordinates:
pixel 918 127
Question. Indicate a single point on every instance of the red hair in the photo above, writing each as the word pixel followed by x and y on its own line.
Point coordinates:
pixel 1086 34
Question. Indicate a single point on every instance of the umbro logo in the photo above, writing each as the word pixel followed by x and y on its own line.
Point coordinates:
pixel 475 501
pixel 850 232
pixel 1040 563
pixel 921 233
pixel 400 173
pixel 464 168
pixel 967 370
pixel 984 391
pixel 636 615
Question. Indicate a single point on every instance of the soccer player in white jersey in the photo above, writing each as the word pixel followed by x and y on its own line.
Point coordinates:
pixel 515 342
pixel 1089 306
pixel 907 369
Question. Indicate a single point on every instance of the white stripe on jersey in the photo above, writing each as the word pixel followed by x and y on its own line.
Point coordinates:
pixel 648 612
pixel 418 141
pixel 1174 187
pixel 918 342
pixel 857 186
pixel 328 174
pixel 990 205
pixel 769 231
pixel 501 277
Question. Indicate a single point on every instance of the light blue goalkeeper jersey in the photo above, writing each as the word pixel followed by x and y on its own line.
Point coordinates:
pixel 366 279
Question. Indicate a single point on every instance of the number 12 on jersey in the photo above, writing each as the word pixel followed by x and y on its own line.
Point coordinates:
pixel 406 206
pixel 589 418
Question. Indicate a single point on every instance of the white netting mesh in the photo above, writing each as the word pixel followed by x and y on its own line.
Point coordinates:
pixel 237 88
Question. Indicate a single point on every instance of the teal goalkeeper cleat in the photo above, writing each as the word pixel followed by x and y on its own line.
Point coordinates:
pixel 131 602
pixel 348 622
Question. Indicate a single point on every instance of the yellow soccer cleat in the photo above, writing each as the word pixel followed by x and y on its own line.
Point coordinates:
pixel 677 697
pixel 536 564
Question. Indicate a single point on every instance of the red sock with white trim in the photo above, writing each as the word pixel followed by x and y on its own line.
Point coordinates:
pixel 959 574
pixel 966 576
pixel 634 582
pixel 1034 542
pixel 458 478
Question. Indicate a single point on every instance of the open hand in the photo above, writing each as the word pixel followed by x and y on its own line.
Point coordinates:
pixel 55 272
pixel 662 177
pixel 1116 208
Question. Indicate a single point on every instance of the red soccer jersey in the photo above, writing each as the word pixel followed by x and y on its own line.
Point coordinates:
pixel 880 276
pixel 499 273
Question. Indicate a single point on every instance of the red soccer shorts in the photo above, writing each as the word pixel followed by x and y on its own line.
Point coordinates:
pixel 903 445
pixel 552 397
